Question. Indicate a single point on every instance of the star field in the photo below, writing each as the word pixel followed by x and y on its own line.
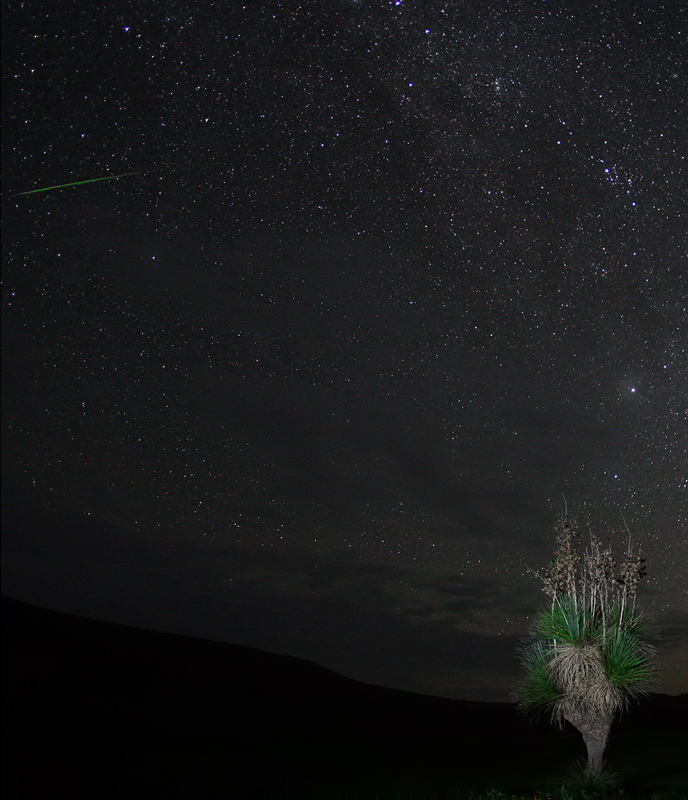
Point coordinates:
pixel 395 278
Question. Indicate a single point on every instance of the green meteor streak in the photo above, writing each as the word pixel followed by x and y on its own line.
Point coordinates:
pixel 78 183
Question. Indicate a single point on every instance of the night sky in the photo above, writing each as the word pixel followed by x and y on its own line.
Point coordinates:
pixel 395 281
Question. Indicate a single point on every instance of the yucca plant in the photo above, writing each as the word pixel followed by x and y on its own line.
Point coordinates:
pixel 587 655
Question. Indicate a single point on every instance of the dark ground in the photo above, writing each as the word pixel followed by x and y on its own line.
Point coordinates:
pixel 93 709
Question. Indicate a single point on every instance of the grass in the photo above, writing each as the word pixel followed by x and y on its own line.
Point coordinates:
pixel 561 793
pixel 572 785
pixel 569 794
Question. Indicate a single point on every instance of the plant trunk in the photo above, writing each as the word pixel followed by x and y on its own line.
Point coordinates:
pixel 594 728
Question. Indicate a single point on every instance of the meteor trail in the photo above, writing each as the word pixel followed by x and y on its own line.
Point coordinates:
pixel 78 183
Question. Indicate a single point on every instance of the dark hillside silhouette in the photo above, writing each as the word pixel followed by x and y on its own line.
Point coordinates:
pixel 94 709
